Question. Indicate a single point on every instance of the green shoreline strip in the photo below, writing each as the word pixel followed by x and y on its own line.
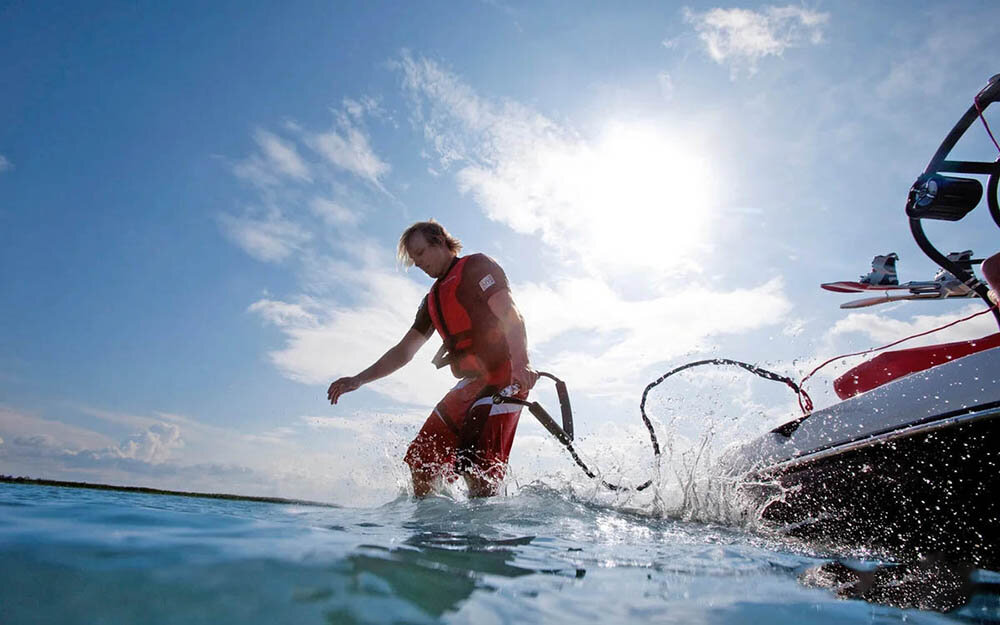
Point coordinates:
pixel 155 491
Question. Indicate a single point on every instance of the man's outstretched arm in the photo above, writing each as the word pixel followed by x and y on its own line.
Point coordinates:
pixel 397 356
pixel 517 339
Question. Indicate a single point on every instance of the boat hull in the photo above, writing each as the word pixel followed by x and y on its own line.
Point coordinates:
pixel 909 469
pixel 933 491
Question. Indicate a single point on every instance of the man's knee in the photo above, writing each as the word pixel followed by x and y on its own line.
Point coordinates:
pixel 422 481
pixel 481 486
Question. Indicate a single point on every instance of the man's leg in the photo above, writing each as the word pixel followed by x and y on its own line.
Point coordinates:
pixel 488 458
pixel 422 481
pixel 430 455
pixel 432 452
pixel 480 486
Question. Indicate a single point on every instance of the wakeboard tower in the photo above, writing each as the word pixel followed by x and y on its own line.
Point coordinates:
pixel 908 461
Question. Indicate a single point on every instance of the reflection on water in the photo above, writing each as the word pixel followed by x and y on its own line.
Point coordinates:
pixel 438 570
pixel 932 583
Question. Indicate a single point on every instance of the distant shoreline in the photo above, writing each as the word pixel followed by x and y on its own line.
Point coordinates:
pixel 8 479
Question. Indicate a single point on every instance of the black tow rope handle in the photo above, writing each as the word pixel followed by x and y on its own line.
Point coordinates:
pixel 565 433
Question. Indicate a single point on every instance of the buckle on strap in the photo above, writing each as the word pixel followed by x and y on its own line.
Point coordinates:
pixel 442 358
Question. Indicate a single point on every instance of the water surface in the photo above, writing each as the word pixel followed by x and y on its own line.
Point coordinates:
pixel 71 555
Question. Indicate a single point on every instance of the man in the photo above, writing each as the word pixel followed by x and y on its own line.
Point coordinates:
pixel 486 346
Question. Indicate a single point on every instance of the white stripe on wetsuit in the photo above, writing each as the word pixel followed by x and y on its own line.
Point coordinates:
pixel 497 408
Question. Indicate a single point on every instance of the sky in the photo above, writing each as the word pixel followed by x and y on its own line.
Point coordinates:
pixel 199 207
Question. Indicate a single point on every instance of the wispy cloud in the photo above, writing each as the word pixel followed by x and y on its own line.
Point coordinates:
pixel 880 329
pixel 742 37
pixel 637 330
pixel 305 183
pixel 282 155
pixel 364 107
pixel 19 425
pixel 28 437
pixel 5 164
pixel 283 314
pixel 299 458
pixel 347 148
pixel 610 203
pixel 270 239
pixel 326 339
pixel 331 212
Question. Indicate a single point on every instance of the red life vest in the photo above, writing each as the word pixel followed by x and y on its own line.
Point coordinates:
pixel 454 324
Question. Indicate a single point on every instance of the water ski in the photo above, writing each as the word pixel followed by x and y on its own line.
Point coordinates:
pixel 845 286
pixel 888 297
pixel 883 278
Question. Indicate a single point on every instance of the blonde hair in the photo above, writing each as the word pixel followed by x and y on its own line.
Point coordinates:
pixel 433 232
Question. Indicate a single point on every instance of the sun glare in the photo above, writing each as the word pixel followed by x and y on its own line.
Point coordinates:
pixel 646 198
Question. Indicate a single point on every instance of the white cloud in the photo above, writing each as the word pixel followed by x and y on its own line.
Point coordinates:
pixel 257 171
pixel 611 204
pixel 293 190
pixel 277 161
pixel 283 314
pixel 647 331
pixel 881 329
pixel 29 435
pixel 362 107
pixel 5 164
pixel 333 213
pixel 330 339
pixel 282 155
pixel 152 446
pixel 271 239
pixel 295 459
pixel 742 37
pixel 348 149
pixel 14 425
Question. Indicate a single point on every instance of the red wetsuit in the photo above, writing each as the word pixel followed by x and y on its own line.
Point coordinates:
pixel 466 431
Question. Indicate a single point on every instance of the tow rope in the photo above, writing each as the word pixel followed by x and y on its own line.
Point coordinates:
pixel 564 433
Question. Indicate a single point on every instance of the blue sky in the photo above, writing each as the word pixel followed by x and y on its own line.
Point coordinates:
pixel 199 207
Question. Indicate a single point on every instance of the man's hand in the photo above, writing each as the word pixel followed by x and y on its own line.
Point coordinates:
pixel 341 386
pixel 525 377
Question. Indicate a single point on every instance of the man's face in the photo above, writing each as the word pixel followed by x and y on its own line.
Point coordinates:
pixel 432 259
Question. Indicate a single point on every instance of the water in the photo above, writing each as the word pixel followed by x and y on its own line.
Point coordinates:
pixel 72 555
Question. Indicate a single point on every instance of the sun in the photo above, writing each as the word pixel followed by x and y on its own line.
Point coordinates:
pixel 646 197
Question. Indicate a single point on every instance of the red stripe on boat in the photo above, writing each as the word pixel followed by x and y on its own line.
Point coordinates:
pixel 890 366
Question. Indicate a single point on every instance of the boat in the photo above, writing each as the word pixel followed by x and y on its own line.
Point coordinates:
pixel 907 463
